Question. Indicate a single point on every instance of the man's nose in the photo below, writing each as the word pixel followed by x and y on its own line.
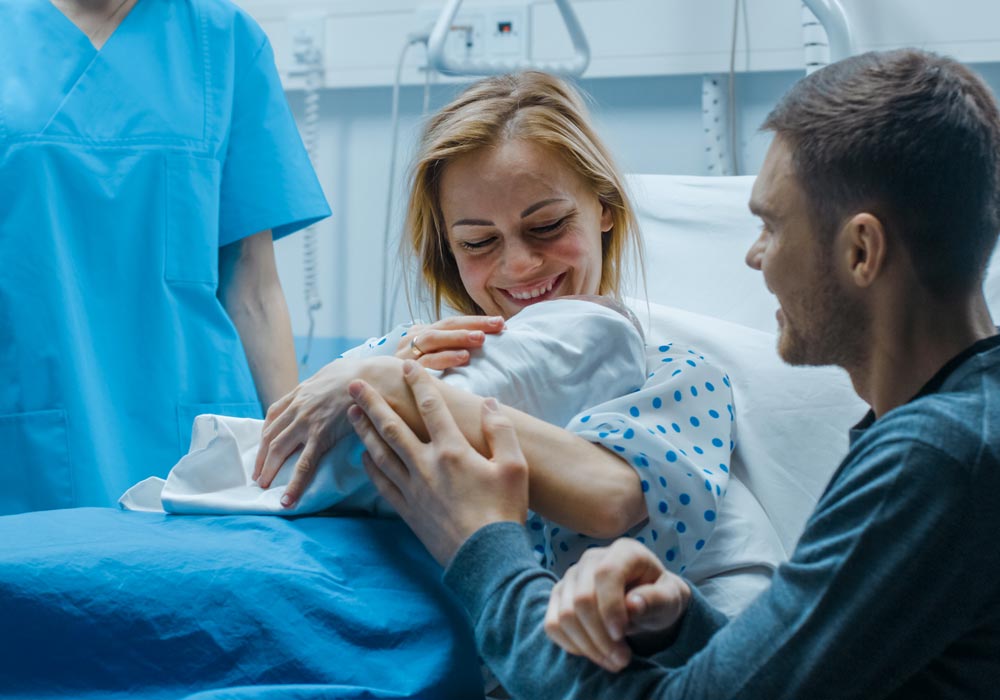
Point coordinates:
pixel 756 252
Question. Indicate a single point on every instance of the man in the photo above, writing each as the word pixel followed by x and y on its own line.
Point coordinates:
pixel 880 199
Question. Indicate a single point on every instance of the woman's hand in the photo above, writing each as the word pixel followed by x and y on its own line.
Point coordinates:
pixel 447 342
pixel 612 592
pixel 313 416
pixel 444 489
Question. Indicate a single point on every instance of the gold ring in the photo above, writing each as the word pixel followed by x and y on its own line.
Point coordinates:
pixel 415 349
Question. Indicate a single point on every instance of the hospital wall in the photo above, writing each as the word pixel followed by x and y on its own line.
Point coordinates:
pixel 648 111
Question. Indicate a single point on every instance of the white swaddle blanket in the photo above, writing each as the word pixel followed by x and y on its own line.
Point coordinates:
pixel 553 360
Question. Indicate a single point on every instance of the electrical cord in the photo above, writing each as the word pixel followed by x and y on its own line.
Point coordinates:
pixel 310 57
pixel 385 310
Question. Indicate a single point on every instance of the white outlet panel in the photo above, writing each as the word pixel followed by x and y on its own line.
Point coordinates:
pixel 467 37
pixel 507 32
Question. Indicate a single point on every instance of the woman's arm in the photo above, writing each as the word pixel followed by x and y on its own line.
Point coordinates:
pixel 573 482
pixel 250 291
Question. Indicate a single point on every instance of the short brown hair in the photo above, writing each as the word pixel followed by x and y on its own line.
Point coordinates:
pixel 914 139
pixel 535 107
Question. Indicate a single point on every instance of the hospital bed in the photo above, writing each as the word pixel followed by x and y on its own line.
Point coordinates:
pixel 104 603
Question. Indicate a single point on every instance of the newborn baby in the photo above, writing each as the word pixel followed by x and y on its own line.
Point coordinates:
pixel 552 360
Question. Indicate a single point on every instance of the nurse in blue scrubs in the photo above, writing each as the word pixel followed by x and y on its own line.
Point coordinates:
pixel 148 159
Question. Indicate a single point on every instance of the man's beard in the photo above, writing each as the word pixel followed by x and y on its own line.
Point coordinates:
pixel 827 328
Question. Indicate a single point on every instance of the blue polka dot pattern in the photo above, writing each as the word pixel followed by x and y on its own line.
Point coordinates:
pixel 666 447
pixel 709 515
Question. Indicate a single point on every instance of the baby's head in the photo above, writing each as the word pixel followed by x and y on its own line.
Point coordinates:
pixel 610 303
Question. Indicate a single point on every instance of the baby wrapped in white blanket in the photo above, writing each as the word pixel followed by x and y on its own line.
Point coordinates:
pixel 552 360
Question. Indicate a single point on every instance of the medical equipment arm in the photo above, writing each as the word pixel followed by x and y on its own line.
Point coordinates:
pixel 438 60
pixel 250 291
pixel 832 16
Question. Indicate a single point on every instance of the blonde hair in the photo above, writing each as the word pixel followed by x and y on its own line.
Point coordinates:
pixel 531 106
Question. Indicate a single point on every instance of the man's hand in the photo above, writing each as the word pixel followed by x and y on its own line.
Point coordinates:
pixel 613 592
pixel 444 489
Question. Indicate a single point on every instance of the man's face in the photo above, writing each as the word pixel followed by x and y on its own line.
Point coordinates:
pixel 818 322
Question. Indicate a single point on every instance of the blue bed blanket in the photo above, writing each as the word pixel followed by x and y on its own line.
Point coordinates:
pixel 102 603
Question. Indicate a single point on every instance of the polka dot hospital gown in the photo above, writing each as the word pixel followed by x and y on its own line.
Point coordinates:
pixel 677 432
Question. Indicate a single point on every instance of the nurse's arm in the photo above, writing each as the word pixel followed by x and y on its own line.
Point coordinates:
pixel 250 291
pixel 571 481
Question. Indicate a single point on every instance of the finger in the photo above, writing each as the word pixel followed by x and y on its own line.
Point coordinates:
pixel 611 654
pixel 444 359
pixel 392 429
pixel 432 342
pixel 379 451
pixel 501 438
pixel 624 565
pixel 386 488
pixel 486 324
pixel 552 623
pixel 279 423
pixel 433 410
pixel 573 610
pixel 303 475
pixel 437 340
pixel 280 448
pixel 657 606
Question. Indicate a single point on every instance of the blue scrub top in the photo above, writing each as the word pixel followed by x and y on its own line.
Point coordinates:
pixel 122 172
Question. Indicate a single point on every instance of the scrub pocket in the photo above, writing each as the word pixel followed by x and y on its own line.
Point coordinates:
pixel 186 413
pixel 192 220
pixel 35 470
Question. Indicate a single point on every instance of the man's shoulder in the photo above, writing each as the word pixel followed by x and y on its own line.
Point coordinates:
pixel 954 431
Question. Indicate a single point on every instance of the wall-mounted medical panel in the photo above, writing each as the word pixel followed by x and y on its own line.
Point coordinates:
pixel 364 38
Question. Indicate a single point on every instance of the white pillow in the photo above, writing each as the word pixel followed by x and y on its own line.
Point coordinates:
pixel 697 231
pixel 791 422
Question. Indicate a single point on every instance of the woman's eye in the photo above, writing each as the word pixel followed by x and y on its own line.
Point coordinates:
pixel 551 228
pixel 476 245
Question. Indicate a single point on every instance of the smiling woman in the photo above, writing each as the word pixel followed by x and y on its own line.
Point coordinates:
pixel 514 200
pixel 521 226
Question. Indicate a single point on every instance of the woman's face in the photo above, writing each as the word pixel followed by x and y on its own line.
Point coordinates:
pixel 522 225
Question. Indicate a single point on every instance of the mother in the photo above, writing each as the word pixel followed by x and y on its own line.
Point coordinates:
pixel 514 201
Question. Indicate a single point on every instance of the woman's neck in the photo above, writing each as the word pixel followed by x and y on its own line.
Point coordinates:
pixel 98 19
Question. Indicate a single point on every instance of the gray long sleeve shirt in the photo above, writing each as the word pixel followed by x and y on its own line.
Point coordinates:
pixel 892 592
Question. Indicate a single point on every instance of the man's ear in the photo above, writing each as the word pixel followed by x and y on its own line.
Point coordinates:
pixel 864 242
